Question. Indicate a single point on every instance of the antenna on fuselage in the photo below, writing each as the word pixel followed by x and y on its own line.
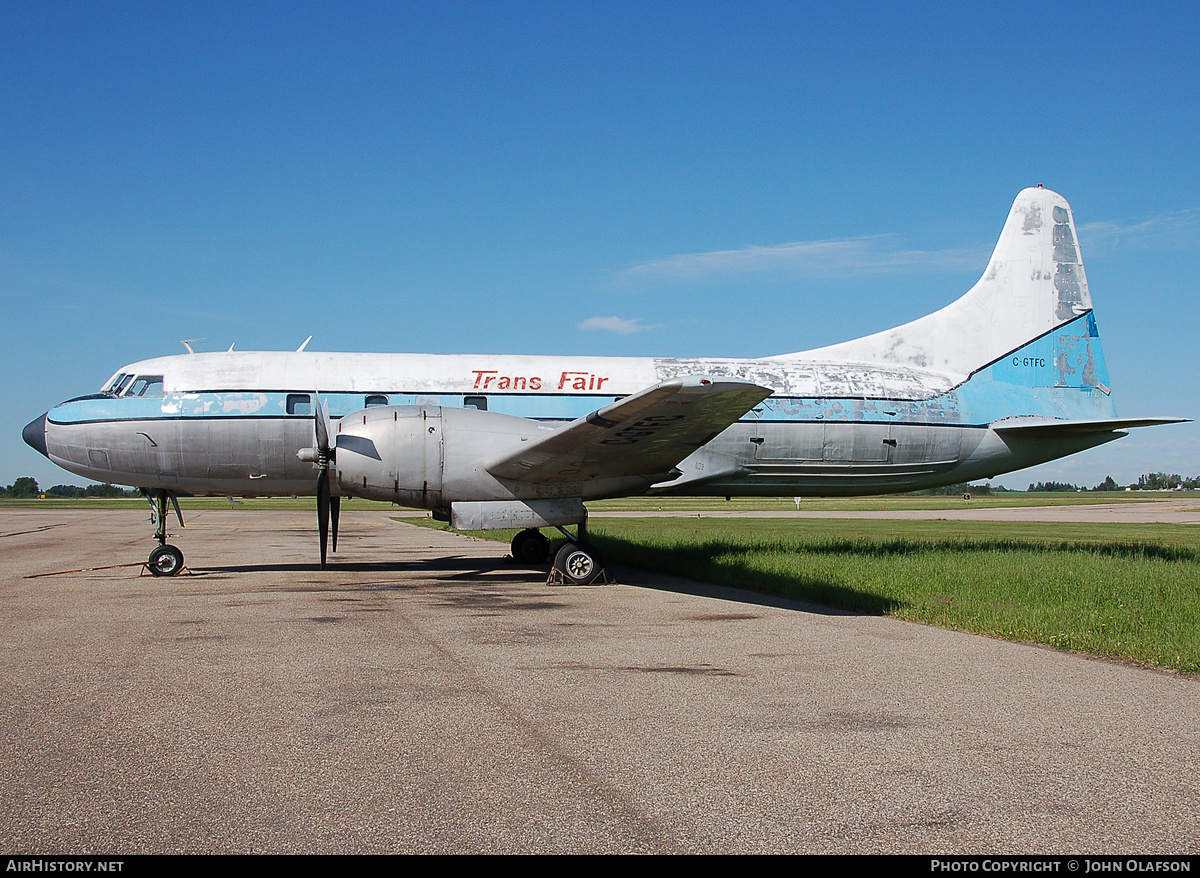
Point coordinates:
pixel 304 344
pixel 187 343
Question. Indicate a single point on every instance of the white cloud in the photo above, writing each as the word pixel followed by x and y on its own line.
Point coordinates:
pixel 850 257
pixel 613 324
pixel 1179 230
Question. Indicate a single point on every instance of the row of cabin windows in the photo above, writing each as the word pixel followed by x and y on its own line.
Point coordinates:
pixel 301 403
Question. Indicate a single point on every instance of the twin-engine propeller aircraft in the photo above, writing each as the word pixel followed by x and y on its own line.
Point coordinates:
pixel 1010 375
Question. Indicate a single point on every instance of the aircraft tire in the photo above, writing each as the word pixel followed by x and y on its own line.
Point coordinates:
pixel 165 561
pixel 530 547
pixel 579 564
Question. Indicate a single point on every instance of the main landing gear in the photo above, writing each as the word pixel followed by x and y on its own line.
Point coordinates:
pixel 165 560
pixel 576 563
pixel 530 547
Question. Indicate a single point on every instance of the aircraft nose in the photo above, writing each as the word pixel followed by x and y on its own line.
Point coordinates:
pixel 34 435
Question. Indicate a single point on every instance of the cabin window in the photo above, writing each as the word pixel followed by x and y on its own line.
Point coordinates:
pixel 475 402
pixel 299 404
pixel 375 399
pixel 146 385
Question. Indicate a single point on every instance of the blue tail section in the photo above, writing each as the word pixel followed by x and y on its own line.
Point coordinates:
pixel 1059 375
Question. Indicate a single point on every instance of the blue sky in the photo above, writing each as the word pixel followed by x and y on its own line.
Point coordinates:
pixel 629 179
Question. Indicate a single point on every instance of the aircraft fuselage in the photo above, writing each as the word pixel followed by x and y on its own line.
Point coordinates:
pixel 231 423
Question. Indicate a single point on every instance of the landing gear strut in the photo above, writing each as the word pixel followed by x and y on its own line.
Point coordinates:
pixel 165 560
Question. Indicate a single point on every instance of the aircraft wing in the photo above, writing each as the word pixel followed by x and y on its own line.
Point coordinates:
pixel 1051 426
pixel 645 434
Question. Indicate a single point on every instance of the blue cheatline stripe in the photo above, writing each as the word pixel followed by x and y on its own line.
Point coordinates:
pixel 274 404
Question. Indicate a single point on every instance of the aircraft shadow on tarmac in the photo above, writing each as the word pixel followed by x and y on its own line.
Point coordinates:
pixel 812 594
pixel 875 605
pixel 808 594
pixel 457 564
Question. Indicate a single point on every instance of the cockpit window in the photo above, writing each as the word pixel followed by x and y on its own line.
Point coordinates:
pixel 121 384
pixel 111 386
pixel 146 385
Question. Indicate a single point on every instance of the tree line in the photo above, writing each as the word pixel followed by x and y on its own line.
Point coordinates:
pixel 1146 482
pixel 26 488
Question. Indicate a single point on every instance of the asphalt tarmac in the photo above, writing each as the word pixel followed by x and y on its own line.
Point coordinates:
pixel 421 695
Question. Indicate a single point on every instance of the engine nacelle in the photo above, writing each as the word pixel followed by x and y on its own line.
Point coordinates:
pixel 426 456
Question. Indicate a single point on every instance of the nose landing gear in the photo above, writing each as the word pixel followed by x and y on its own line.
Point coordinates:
pixel 165 560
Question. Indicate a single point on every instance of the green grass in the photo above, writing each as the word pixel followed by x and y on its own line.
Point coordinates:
pixel 1115 590
pixel 887 501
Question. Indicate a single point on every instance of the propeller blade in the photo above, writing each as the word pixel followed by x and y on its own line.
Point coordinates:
pixel 322 456
pixel 335 509
pixel 322 425
pixel 323 511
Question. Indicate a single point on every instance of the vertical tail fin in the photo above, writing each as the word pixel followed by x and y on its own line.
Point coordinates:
pixel 1034 283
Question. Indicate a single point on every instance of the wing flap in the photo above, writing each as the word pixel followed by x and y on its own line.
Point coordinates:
pixel 645 434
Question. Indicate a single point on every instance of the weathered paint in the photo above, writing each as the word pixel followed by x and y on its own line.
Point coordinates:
pixel 1033 283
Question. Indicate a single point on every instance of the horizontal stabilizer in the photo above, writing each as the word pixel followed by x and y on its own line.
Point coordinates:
pixel 1049 426
pixel 645 434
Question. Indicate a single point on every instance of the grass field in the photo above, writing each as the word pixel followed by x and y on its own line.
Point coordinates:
pixel 888 501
